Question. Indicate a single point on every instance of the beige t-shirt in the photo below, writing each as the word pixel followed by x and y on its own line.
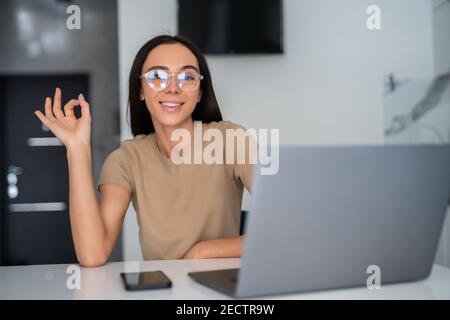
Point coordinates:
pixel 178 205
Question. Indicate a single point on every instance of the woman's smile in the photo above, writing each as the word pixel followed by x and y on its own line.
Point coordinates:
pixel 171 106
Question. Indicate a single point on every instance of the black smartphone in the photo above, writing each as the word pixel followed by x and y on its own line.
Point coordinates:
pixel 145 280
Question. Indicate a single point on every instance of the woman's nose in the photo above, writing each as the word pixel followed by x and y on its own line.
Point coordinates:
pixel 172 85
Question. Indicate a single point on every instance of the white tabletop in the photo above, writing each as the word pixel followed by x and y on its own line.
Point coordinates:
pixel 49 282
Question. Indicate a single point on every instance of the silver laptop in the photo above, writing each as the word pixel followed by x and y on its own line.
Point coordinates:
pixel 332 212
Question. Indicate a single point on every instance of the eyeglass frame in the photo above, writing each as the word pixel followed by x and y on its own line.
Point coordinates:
pixel 170 75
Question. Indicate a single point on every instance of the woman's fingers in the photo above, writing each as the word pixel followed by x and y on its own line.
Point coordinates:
pixel 48 109
pixel 68 108
pixel 45 121
pixel 85 112
pixel 51 114
pixel 52 126
pixel 57 104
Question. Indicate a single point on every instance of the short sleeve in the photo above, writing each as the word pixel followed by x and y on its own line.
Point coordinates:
pixel 241 170
pixel 116 170
pixel 244 172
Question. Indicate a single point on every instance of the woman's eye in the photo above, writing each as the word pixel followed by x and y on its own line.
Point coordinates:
pixel 158 75
pixel 188 77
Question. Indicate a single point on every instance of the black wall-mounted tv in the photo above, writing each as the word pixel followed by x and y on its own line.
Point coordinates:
pixel 232 26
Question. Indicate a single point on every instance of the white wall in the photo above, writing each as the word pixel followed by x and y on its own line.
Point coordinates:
pixel 325 89
pixel 441 20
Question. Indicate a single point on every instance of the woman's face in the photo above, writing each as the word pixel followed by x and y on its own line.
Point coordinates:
pixel 171 106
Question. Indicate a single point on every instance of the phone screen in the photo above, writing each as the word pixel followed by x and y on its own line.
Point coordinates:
pixel 146 280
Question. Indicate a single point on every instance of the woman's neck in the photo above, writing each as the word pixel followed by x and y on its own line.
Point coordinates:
pixel 163 135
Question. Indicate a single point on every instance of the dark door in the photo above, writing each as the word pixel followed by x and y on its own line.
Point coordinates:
pixel 36 227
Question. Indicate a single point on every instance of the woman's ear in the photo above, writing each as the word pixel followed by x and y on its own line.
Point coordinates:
pixel 141 95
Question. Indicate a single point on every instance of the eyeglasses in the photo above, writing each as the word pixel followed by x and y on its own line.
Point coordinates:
pixel 159 79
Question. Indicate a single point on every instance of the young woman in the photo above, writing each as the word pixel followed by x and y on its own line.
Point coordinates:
pixel 184 211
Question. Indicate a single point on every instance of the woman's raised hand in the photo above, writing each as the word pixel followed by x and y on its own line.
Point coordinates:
pixel 65 125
